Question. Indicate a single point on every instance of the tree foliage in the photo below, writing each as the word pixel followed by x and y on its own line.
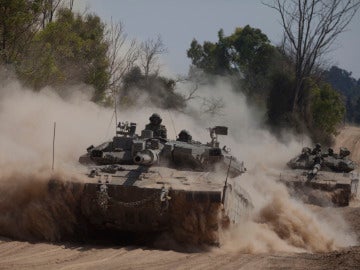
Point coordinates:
pixel 279 100
pixel 212 58
pixel 342 81
pixel 327 107
pixel 251 50
pixel 246 51
pixel 19 20
pixel 69 50
pixel 246 56
pixel 51 45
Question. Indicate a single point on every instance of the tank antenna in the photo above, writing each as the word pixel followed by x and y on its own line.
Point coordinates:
pixel 53 152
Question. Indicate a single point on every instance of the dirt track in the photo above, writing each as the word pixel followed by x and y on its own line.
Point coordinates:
pixel 74 257
pixel 24 255
pixel 350 138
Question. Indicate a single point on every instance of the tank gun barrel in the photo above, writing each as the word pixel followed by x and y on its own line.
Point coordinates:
pixel 146 157
pixel 142 159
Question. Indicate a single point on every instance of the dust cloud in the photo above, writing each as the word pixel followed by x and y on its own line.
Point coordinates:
pixel 36 206
pixel 278 222
pixel 32 210
pixel 36 203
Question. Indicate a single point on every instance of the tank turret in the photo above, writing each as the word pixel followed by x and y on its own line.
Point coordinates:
pixel 329 161
pixel 183 153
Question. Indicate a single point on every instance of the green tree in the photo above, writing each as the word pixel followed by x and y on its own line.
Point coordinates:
pixel 342 81
pixel 246 56
pixel 18 23
pixel 325 111
pixel 279 100
pixel 69 50
pixel 213 58
pixel 252 51
pixel 327 107
pixel 247 50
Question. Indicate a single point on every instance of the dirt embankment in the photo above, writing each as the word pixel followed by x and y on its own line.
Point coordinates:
pixel 349 137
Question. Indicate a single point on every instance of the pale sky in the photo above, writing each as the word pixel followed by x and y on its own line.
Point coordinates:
pixel 179 21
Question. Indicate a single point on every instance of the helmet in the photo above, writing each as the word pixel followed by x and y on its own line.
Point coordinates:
pixel 344 152
pixel 155 119
pixel 185 136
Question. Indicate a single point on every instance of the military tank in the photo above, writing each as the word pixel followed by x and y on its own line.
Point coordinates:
pixel 144 184
pixel 322 178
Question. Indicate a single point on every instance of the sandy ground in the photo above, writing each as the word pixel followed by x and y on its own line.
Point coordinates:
pixel 25 255
pixel 22 255
pixel 350 138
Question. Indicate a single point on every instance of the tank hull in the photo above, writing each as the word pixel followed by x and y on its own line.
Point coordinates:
pixel 325 188
pixel 190 206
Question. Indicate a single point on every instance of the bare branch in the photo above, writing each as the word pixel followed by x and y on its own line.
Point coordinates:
pixel 149 55
pixel 49 9
pixel 310 28
pixel 213 106
pixel 71 4
pixel 122 54
pixel 192 93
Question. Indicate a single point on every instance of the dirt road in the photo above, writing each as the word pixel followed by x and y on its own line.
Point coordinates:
pixel 350 138
pixel 25 255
